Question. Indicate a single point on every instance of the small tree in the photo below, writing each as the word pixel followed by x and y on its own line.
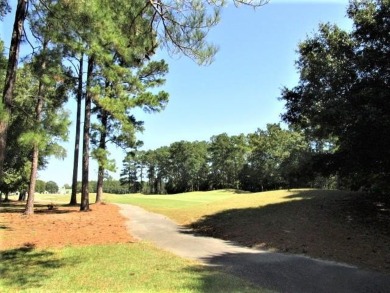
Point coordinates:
pixel 51 187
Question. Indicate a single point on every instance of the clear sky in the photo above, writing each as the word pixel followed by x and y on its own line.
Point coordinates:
pixel 238 92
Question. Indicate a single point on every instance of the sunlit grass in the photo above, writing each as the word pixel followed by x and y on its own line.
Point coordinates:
pixel 189 207
pixel 133 267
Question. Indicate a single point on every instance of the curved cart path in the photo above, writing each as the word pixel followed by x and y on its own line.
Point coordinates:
pixel 275 271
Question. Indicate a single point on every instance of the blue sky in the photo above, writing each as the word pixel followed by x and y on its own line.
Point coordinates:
pixel 238 92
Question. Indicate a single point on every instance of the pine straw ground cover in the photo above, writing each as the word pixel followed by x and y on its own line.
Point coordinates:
pixel 61 226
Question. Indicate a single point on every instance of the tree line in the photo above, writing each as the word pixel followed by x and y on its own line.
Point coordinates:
pixel 266 159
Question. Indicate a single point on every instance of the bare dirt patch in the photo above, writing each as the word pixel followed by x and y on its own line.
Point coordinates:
pixel 60 226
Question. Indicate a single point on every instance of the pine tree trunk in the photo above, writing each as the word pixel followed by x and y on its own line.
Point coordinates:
pixel 129 180
pixel 102 145
pixel 73 197
pixel 141 189
pixel 20 15
pixel 99 187
pixel 35 156
pixel 84 206
pixel 33 175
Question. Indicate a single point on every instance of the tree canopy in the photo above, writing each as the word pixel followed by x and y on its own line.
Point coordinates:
pixel 343 96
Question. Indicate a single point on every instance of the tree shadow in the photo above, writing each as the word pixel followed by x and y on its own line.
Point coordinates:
pixel 26 267
pixel 18 207
pixel 211 280
pixel 346 227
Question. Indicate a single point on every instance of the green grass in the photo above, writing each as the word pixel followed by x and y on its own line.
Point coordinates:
pixel 189 207
pixel 110 268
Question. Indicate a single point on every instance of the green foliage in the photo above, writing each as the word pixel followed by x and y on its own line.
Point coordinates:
pixel 24 130
pixel 267 159
pixel 50 129
pixel 131 171
pixel 101 155
pixel 51 187
pixel 40 186
pixel 114 187
pixel 227 156
pixel 15 179
pixel 185 164
pixel 4 8
pixel 182 26
pixel 343 96
pixel 110 186
pixel 271 150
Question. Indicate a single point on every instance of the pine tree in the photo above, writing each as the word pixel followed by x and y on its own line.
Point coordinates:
pixel 10 79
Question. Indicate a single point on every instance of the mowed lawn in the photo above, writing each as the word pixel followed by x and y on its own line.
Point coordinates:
pixel 137 267
pixel 186 208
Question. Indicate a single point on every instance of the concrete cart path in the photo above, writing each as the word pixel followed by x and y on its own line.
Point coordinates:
pixel 274 271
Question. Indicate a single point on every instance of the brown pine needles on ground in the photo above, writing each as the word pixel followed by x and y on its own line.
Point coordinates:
pixel 62 226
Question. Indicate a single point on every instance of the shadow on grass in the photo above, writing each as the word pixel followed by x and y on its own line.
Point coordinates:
pixel 18 207
pixel 223 279
pixel 27 268
pixel 346 227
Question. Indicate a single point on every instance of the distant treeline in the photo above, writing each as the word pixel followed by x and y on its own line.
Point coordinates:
pixel 267 159
pixel 110 186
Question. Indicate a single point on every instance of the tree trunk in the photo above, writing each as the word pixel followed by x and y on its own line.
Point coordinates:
pixel 73 197
pixel 102 145
pixel 33 175
pixel 35 156
pixel 10 78
pixel 142 175
pixel 99 185
pixel 84 206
